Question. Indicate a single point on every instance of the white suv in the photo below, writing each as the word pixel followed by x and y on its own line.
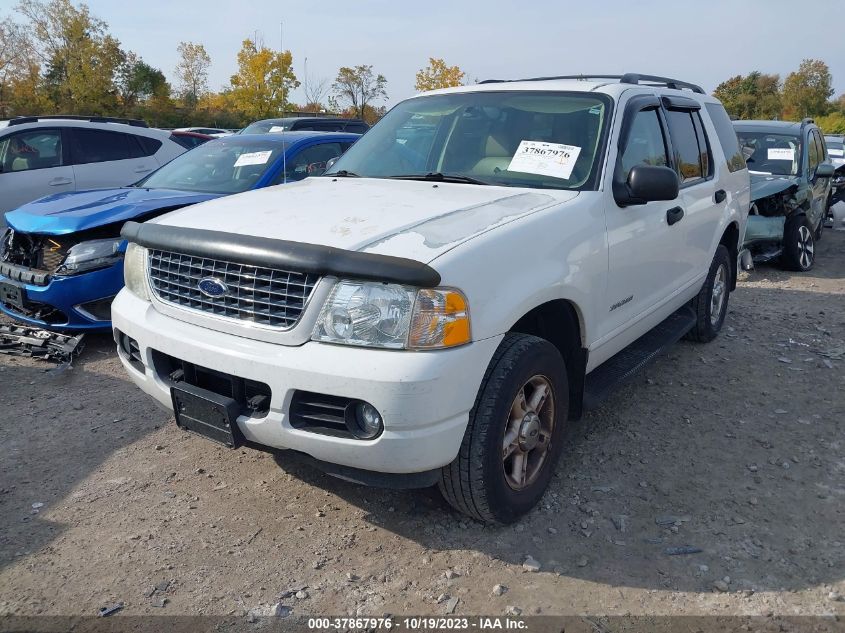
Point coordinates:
pixel 45 155
pixel 482 265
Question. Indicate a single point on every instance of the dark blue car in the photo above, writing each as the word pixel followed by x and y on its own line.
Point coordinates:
pixel 61 259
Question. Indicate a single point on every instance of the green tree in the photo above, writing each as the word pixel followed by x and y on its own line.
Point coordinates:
pixel 192 72
pixel 833 123
pixel 359 87
pixel 15 57
pixel 806 91
pixel 80 56
pixel 438 75
pixel 138 82
pixel 264 80
pixel 754 96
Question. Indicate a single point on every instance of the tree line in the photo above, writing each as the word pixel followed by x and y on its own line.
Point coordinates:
pixel 805 92
pixel 56 57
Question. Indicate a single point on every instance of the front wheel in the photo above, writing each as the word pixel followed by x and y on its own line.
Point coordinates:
pixel 799 247
pixel 514 436
pixel 711 303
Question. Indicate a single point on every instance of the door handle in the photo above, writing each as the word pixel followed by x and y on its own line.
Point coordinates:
pixel 60 181
pixel 675 214
pixel 720 196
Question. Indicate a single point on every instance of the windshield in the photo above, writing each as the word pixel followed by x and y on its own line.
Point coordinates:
pixel 776 154
pixel 517 139
pixel 263 127
pixel 216 167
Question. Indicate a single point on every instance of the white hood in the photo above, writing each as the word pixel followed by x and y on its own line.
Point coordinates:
pixel 417 220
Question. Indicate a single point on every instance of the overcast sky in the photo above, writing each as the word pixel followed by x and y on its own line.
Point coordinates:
pixel 703 41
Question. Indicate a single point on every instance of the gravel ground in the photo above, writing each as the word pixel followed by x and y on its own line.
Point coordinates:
pixel 733 449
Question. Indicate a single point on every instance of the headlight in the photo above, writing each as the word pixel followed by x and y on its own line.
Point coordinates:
pixel 393 316
pixel 91 255
pixel 135 270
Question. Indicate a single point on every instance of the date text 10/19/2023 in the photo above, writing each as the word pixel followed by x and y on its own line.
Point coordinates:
pixel 418 623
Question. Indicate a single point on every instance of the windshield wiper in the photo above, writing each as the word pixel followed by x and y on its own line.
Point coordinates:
pixel 439 177
pixel 343 174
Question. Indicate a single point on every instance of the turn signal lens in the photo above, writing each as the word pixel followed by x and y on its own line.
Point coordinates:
pixel 440 319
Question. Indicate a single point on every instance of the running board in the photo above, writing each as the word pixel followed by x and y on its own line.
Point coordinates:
pixel 604 379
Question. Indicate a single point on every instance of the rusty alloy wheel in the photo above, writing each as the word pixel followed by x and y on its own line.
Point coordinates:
pixel 528 432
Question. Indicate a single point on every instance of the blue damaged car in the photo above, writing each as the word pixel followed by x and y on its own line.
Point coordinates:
pixel 61 257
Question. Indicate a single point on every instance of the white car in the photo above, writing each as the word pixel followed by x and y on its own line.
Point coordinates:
pixel 209 131
pixel 435 311
pixel 46 155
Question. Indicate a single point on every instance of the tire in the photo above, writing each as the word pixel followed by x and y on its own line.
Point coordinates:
pixel 476 482
pixel 711 303
pixel 799 247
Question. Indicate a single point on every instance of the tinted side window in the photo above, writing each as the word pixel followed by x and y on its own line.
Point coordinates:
pixel 646 144
pixel 727 136
pixel 150 146
pixel 355 128
pixel 99 146
pixel 703 145
pixel 37 149
pixel 813 152
pixel 685 145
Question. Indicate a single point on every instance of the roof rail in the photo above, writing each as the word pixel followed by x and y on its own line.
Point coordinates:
pixel 20 120
pixel 627 78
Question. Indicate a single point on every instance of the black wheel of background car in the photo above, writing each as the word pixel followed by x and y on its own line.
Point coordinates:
pixel 515 433
pixel 711 303
pixel 799 247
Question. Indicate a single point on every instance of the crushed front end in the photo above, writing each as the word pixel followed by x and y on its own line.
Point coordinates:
pixel 61 282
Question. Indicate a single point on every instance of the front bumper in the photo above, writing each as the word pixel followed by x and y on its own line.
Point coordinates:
pixel 423 397
pixel 66 294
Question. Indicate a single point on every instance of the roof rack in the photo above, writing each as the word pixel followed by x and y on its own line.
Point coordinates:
pixel 627 78
pixel 20 120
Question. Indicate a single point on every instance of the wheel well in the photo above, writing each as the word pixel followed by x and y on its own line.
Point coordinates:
pixel 557 322
pixel 730 239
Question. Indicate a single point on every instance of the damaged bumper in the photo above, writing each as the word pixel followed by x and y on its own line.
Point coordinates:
pixel 764 237
pixel 73 303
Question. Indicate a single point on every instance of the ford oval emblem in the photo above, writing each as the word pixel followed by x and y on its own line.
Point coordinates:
pixel 212 287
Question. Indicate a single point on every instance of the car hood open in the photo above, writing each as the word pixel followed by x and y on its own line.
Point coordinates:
pixel 69 212
pixel 763 186
pixel 411 219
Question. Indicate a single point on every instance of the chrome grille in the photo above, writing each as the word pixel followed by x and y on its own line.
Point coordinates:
pixel 265 296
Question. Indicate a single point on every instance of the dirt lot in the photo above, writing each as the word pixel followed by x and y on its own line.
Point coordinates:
pixel 734 448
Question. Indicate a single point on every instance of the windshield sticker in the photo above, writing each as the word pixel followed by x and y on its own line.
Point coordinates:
pixel 253 158
pixel 277 128
pixel 839 153
pixel 781 153
pixel 545 159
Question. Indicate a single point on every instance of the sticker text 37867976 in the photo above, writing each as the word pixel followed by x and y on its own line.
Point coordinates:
pixel 545 159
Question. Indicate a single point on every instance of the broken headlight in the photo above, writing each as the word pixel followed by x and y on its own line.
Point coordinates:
pixel 135 271
pixel 87 256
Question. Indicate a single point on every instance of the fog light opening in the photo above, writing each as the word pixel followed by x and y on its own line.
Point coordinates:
pixel 363 420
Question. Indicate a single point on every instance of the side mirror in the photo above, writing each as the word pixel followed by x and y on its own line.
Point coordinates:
pixel 330 163
pixel 646 183
pixel 825 170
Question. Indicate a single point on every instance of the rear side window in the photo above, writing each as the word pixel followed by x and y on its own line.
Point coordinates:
pixel 355 128
pixel 99 146
pixel 690 154
pixel 727 136
pixel 149 146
